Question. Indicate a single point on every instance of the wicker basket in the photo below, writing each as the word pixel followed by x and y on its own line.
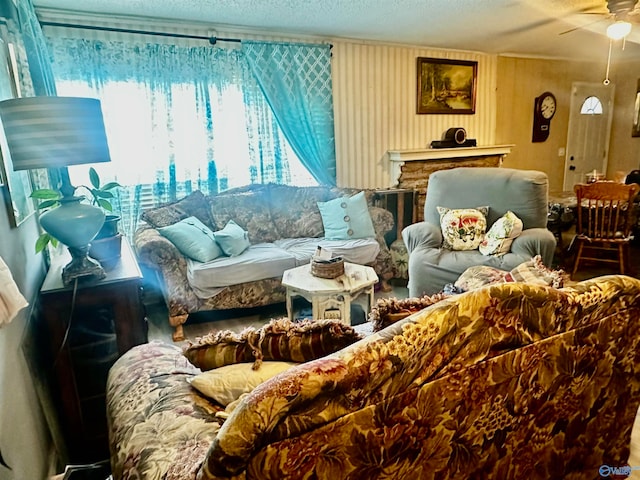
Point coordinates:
pixel 332 269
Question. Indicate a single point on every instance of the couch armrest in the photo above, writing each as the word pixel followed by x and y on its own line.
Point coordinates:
pixel 382 220
pixel 161 255
pixel 423 235
pixel 153 249
pixel 382 223
pixel 535 241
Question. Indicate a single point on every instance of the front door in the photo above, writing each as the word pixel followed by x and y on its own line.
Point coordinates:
pixel 590 119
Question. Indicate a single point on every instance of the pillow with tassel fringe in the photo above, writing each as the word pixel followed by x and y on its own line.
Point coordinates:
pixel 280 339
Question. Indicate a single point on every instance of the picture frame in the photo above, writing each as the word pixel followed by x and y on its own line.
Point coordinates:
pixel 635 128
pixel 446 86
pixel 16 186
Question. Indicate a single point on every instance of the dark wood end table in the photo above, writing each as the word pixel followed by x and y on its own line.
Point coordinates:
pixel 88 328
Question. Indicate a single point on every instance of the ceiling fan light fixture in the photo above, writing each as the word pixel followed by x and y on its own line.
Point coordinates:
pixel 618 30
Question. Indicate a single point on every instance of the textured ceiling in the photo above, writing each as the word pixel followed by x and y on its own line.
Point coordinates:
pixel 522 27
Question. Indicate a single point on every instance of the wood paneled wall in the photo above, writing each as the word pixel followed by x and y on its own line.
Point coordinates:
pixel 521 80
pixel 624 150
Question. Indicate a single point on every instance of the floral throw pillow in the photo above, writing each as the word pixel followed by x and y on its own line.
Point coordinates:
pixel 500 236
pixel 463 228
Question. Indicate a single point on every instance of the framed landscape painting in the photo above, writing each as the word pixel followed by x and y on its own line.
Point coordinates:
pixel 446 86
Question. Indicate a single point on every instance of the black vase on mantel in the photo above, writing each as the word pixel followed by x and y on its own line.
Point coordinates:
pixel 107 246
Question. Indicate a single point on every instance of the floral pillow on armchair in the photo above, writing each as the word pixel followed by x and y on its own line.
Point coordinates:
pixel 463 228
pixel 500 236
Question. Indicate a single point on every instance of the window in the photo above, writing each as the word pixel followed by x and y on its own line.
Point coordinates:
pixel 181 118
pixel 147 133
pixel 591 106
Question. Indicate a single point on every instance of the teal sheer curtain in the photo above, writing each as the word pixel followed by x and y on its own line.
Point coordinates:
pixel 178 119
pixel 296 80
pixel 36 49
pixel 36 76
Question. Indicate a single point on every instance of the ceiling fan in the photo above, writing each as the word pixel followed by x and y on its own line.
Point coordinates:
pixel 622 12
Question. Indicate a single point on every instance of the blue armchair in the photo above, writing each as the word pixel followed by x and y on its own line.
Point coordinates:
pixel 524 192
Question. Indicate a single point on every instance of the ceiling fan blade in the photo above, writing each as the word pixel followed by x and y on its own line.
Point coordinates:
pixel 582 26
pixel 530 26
pixel 541 23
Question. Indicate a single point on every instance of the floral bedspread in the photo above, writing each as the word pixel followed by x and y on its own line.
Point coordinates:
pixel 510 381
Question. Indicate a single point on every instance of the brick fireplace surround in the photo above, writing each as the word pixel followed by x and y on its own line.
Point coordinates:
pixel 411 168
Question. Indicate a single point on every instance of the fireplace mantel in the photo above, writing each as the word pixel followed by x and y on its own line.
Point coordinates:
pixel 399 157
pixel 411 168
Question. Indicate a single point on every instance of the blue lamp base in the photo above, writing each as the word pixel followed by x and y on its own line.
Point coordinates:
pixel 75 224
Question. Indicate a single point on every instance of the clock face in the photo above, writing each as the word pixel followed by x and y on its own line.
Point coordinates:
pixel 548 107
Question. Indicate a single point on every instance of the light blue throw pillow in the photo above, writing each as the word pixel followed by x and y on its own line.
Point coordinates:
pixel 346 218
pixel 233 239
pixel 193 238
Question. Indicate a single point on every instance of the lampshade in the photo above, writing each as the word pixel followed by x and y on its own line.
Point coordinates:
pixel 54 132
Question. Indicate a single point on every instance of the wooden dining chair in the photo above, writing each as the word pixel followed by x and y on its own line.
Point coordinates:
pixel 604 221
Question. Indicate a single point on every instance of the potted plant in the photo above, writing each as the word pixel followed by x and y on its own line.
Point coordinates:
pixel 106 244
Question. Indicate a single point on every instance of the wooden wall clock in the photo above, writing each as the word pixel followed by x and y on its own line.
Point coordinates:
pixel 544 109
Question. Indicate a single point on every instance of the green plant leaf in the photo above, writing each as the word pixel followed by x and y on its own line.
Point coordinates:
pixel 110 185
pixel 102 193
pixel 48 204
pixel 42 242
pixel 45 194
pixel 94 178
pixel 105 204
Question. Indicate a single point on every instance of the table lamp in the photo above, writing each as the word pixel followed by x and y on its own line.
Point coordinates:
pixel 55 132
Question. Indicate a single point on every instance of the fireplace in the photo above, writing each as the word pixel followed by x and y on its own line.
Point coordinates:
pixel 411 168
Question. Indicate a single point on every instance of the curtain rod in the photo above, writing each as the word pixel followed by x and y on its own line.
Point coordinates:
pixel 211 40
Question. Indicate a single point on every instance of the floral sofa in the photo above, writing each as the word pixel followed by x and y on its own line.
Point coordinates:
pixel 270 213
pixel 508 381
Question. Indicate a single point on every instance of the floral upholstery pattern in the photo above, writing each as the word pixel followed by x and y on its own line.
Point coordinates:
pixel 157 252
pixel 148 388
pixel 463 228
pixel 498 240
pixel 193 204
pixel 267 212
pixel 508 381
pixel 306 200
pixel 247 210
